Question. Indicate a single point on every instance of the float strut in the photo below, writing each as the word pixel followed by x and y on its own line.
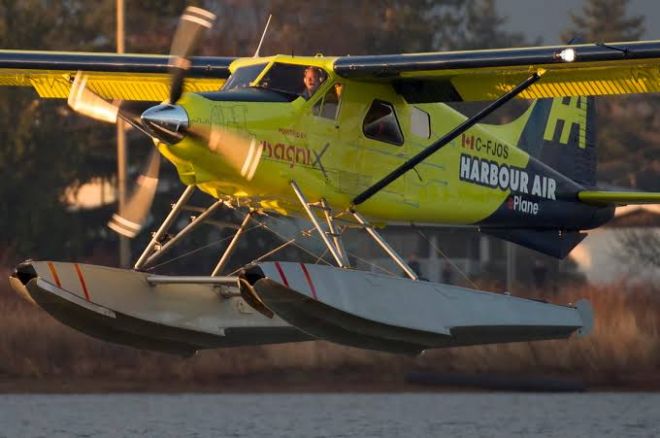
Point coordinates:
pixel 232 245
pixel 188 228
pixel 383 244
pixel 312 217
pixel 176 208
pixel 334 232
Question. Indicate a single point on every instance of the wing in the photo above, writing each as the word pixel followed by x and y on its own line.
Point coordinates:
pixel 112 76
pixel 596 69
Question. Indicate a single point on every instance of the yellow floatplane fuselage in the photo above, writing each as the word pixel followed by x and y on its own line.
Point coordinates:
pixel 336 144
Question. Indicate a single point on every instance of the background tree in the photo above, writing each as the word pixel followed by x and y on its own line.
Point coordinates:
pixel 628 130
pixel 626 125
pixel 483 28
pixel 605 21
pixel 43 151
pixel 387 26
pixel 330 27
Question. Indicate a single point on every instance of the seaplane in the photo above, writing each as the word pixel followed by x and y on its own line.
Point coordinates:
pixel 343 142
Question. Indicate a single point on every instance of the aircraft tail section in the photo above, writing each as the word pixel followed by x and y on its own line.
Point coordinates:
pixel 559 137
pixel 560 132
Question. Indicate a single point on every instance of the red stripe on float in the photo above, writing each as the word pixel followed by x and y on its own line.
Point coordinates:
pixel 282 276
pixel 53 273
pixel 309 281
pixel 82 281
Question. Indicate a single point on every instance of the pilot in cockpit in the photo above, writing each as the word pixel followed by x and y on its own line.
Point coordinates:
pixel 312 80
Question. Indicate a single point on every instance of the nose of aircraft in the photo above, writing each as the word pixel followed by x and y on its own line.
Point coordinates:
pixel 166 122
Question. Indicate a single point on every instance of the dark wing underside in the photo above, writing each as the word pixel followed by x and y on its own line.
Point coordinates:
pixel 598 69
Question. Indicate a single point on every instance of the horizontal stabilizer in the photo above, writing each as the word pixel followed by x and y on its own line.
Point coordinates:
pixel 619 198
pixel 554 243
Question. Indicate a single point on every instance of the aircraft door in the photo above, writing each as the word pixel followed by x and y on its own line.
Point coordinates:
pixel 383 146
pixel 328 154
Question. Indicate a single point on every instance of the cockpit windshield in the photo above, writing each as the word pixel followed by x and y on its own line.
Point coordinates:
pixel 243 76
pixel 289 79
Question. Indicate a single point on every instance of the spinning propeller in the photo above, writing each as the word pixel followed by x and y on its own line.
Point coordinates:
pixel 192 23
pixel 167 123
pixel 127 222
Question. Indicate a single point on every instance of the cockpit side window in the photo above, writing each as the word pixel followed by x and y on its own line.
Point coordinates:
pixel 288 79
pixel 328 107
pixel 243 76
pixel 381 123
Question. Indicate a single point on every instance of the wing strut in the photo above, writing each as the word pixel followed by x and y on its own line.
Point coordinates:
pixel 445 139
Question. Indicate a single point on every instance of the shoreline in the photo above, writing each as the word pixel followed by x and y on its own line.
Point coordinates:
pixel 292 385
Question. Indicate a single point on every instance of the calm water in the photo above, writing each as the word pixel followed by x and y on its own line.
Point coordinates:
pixel 331 415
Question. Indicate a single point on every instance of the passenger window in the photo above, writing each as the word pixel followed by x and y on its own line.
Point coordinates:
pixel 420 123
pixel 381 123
pixel 328 107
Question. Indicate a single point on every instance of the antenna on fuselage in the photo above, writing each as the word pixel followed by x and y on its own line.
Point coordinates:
pixel 263 35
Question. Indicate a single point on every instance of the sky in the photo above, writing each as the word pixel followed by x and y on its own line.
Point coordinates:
pixel 548 18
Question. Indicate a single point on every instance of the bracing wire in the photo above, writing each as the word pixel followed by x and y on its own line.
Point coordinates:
pixel 196 250
pixel 307 233
pixel 302 232
pixel 444 256
pixel 263 256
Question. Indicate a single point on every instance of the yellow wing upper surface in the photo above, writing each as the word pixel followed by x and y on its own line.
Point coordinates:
pixel 112 76
pixel 597 69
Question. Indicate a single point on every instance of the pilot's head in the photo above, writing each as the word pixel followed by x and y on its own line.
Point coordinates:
pixel 311 79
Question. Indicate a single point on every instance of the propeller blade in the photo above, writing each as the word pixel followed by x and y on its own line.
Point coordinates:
pixel 193 21
pixel 85 102
pixel 238 149
pixel 130 221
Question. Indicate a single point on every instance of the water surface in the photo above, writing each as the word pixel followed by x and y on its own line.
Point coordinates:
pixel 331 415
